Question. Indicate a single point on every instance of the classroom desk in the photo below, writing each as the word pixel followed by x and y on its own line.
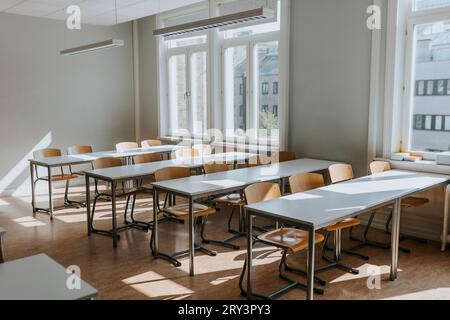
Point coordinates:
pixel 72 160
pixel 199 187
pixel 142 171
pixel 39 278
pixel 314 210
pixel 2 234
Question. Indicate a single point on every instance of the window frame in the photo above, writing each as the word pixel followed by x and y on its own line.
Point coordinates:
pixel 413 19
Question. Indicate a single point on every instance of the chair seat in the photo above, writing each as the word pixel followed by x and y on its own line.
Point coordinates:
pixel 293 239
pixel 182 211
pixel 60 177
pixel 414 202
pixel 234 199
pixel 347 223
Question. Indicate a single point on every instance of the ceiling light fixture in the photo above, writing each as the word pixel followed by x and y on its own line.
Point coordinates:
pixel 211 23
pixel 107 44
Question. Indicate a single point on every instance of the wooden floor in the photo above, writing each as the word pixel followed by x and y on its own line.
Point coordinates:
pixel 129 272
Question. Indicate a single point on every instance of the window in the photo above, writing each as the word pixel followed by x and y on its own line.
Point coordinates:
pixel 440 87
pixel 227 78
pixel 430 4
pixel 420 88
pixel 275 111
pixel 438 123
pixel 430 87
pixel 187 92
pixel 430 131
pixel 235 72
pixel 265 88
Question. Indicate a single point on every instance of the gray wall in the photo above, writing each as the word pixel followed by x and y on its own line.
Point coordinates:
pixel 330 80
pixel 148 78
pixel 84 99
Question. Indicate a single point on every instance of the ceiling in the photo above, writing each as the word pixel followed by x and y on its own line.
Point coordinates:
pixel 98 12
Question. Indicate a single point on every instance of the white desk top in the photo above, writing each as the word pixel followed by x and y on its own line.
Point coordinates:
pixel 89 157
pixel 238 179
pixel 145 170
pixel 322 207
pixel 39 278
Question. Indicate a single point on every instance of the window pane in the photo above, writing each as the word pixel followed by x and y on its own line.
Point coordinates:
pixel 188 41
pixel 430 4
pixel 268 74
pixel 199 91
pixel 438 123
pixel 236 66
pixel 432 66
pixel 177 94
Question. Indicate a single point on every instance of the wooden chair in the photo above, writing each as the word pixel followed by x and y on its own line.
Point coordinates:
pixel 341 173
pixel 284 156
pixel 67 177
pixel 304 182
pixel 186 153
pixel 234 200
pixel 289 240
pixel 76 150
pixel 151 143
pixel 410 202
pixel 181 211
pixel 147 158
pixel 203 149
pixel 124 146
pixel 122 191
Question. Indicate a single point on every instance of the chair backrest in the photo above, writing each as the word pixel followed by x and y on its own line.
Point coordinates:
pixel 108 162
pixel 186 153
pixel 379 167
pixel 340 173
pixel 47 153
pixel 151 143
pixel 259 160
pixel 303 182
pixel 79 150
pixel 284 156
pixel 147 158
pixel 215 167
pixel 124 146
pixel 203 149
pixel 262 192
pixel 171 173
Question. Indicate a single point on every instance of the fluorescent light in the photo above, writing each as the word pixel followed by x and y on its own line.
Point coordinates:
pixel 211 23
pixel 112 43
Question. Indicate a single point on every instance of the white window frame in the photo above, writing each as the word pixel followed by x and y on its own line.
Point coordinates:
pixel 215 46
pixel 415 18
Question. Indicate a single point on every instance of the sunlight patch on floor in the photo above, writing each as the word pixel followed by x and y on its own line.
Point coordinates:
pixel 433 294
pixel 29 222
pixel 365 271
pixel 154 285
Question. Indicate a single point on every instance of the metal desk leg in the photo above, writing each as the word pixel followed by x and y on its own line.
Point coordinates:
pixel 88 204
pixel 395 238
pixel 33 195
pixel 154 242
pixel 114 216
pixel 50 195
pixel 310 264
pixel 282 187
pixel 248 223
pixel 2 257
pixel 446 218
pixel 191 237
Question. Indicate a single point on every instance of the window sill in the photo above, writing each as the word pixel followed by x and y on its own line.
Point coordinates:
pixel 427 166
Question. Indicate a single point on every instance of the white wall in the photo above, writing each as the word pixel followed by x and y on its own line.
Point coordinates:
pixel 330 80
pixel 50 100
